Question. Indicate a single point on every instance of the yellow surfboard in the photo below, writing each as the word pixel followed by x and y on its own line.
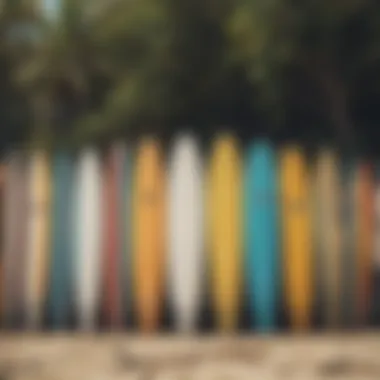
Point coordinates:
pixel 38 236
pixel 329 236
pixel 225 229
pixel 296 236
pixel 148 234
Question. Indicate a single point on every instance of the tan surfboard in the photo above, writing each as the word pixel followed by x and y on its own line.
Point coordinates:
pixel 329 235
pixel 38 225
pixel 2 184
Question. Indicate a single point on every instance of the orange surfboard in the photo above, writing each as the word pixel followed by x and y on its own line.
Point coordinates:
pixel 148 234
pixel 365 191
pixel 296 236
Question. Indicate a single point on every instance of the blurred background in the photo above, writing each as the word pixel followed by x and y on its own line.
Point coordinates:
pixel 79 70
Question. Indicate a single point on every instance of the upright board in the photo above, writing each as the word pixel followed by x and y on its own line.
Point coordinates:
pixel 261 245
pixel 88 206
pixel 296 237
pixel 149 234
pixel 38 236
pixel 126 222
pixel 225 230
pixel 364 243
pixel 348 224
pixel 185 231
pixel 113 180
pixel 329 237
pixel 14 244
pixel 3 173
pixel 62 257
pixel 376 242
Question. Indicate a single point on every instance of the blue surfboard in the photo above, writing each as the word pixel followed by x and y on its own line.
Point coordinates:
pixel 261 246
pixel 62 227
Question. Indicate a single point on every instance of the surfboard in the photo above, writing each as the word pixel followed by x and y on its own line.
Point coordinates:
pixel 185 231
pixel 328 192
pixel 126 221
pixel 376 256
pixel 61 279
pixel 113 180
pixel 261 245
pixel 149 234
pixel 348 224
pixel 38 251
pixel 88 206
pixel 296 237
pixel 365 233
pixel 14 243
pixel 2 185
pixel 225 230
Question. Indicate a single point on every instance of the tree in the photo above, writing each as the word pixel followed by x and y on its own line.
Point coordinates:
pixel 14 116
pixel 171 66
pixel 58 72
pixel 330 44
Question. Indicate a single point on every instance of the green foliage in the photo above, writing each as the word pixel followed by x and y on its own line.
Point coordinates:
pixel 124 67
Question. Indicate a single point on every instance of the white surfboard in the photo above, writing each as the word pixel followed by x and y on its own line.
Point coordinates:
pixel 185 231
pixel 38 223
pixel 87 258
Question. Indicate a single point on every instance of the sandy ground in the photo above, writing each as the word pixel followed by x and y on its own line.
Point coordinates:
pixel 120 356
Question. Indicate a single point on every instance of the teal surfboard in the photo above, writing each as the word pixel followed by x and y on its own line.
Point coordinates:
pixel 261 246
pixel 60 297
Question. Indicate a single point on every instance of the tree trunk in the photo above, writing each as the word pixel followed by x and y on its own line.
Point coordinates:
pixel 42 113
pixel 338 109
pixel 326 76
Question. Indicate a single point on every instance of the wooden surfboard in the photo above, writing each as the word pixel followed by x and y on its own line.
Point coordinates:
pixel 296 237
pixel 14 243
pixel 61 279
pixel 261 245
pixel 328 191
pixel 38 251
pixel 126 221
pixel 364 244
pixel 185 231
pixel 376 257
pixel 3 173
pixel 113 179
pixel 225 230
pixel 149 234
pixel 88 206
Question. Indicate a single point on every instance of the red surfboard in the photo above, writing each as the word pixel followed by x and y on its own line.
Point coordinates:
pixel 365 232
pixel 113 294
